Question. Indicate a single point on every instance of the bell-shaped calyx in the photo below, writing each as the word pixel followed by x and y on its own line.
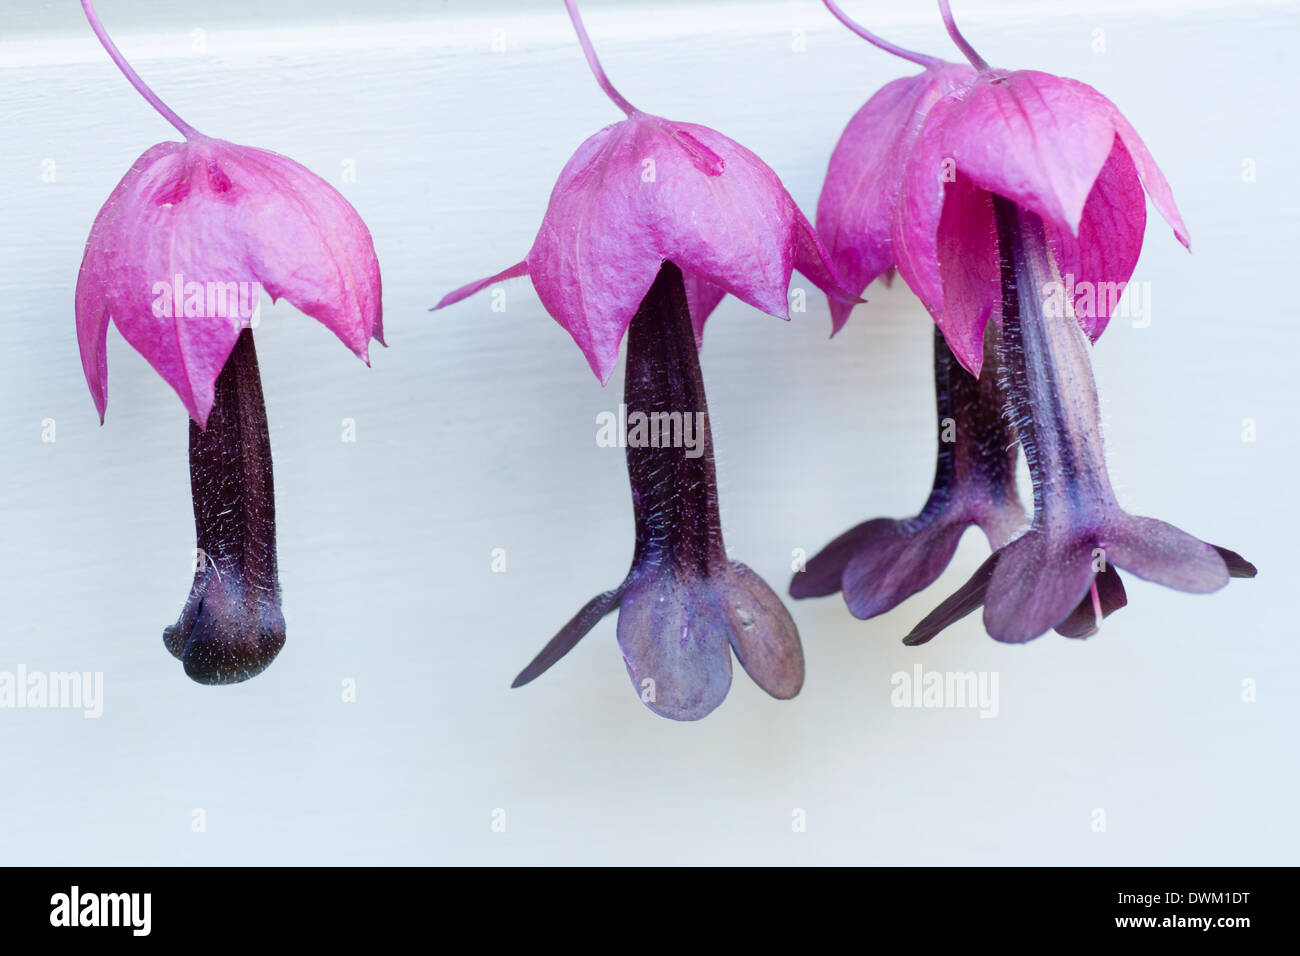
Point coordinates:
pixel 648 190
pixel 179 253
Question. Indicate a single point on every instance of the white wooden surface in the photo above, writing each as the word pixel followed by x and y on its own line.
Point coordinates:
pixel 476 431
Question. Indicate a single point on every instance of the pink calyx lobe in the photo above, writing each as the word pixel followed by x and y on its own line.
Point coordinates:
pixel 215 217
pixel 646 191
pixel 911 184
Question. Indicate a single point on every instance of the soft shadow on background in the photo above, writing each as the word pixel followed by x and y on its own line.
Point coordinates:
pixel 476 431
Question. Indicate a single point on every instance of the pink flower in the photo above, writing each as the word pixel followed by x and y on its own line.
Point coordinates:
pixel 179 251
pixel 648 190
pixel 177 258
pixel 912 180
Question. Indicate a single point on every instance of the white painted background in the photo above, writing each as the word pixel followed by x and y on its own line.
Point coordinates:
pixel 476 431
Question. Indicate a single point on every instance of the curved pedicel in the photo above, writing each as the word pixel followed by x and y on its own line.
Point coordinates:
pixel 684 605
pixel 1038 581
pixel 882 562
pixel 231 627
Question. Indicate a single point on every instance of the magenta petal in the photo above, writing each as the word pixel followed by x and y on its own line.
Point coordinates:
pixel 220 217
pixel 1037 139
pixel 304 242
pixel 1157 186
pixel 970 271
pixel 856 207
pixel 594 259
pixel 701 299
pixel 1037 583
pixel 1159 552
pixel 812 260
pixel 1098 264
pixel 648 190
pixel 465 291
pixel 675 636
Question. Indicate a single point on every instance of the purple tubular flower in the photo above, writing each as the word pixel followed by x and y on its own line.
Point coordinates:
pixel 882 562
pixel 649 225
pixel 927 179
pixel 1038 581
pixel 684 606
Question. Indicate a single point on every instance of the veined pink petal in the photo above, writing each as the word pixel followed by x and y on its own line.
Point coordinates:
pixel 645 191
pixel 1157 186
pixel 1097 264
pixel 813 261
pixel 594 259
pixel 465 291
pixel 306 243
pixel 1037 139
pixel 95 280
pixel 178 253
pixel 856 207
pixel 969 269
pixel 1054 146
pixel 914 229
pixel 701 298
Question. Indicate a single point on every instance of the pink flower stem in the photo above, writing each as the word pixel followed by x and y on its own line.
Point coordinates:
pixel 967 50
pixel 919 58
pixel 594 63
pixel 142 88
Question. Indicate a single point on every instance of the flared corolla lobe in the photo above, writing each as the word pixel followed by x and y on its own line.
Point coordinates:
pixel 1079 534
pixel 178 254
pixel 684 606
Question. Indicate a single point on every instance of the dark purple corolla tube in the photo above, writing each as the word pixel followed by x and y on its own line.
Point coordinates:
pixel 1079 532
pixel 683 605
pixel 882 562
pixel 231 627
